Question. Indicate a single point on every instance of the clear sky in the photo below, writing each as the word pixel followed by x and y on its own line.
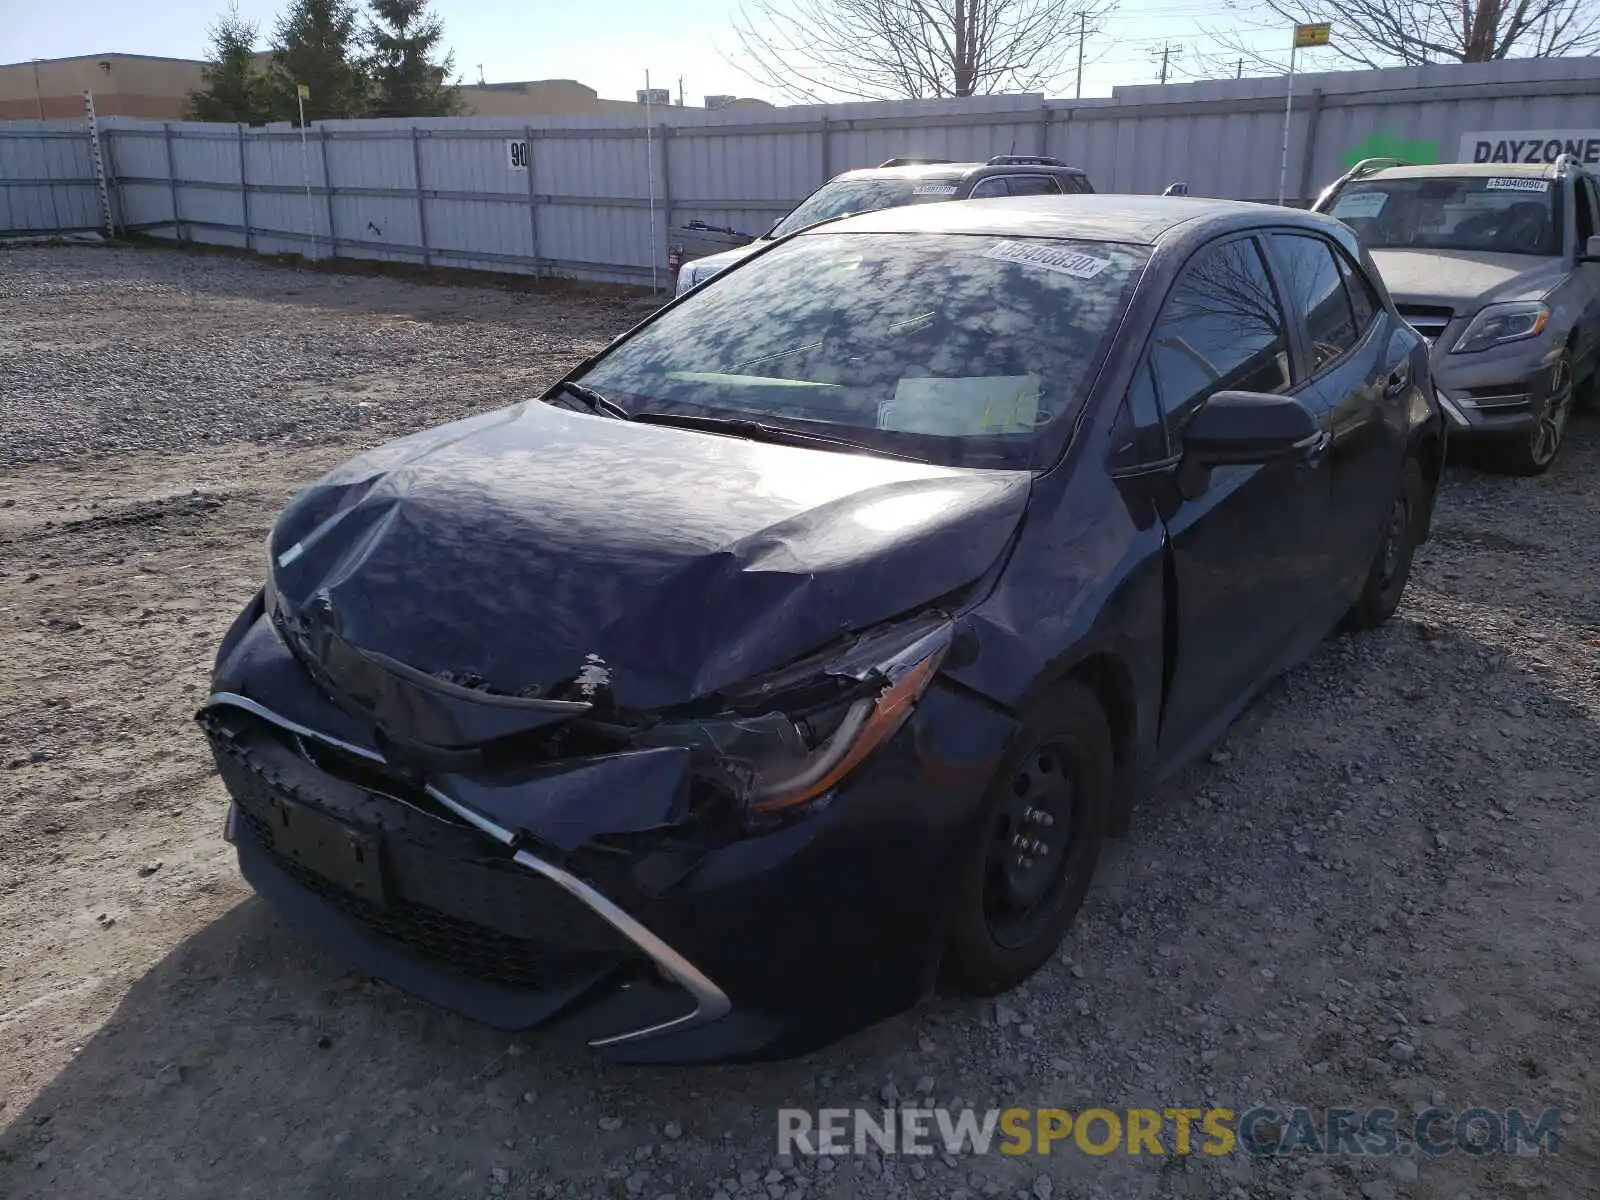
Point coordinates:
pixel 609 44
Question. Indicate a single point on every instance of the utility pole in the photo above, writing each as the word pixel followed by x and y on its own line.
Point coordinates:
pixel 1167 51
pixel 480 74
pixel 680 91
pixel 1083 32
pixel 1238 72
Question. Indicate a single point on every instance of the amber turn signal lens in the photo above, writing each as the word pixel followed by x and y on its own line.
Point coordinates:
pixel 889 712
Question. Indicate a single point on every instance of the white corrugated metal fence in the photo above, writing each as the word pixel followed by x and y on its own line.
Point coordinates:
pixel 571 196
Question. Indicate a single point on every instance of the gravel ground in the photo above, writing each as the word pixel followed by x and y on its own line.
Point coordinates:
pixel 1380 891
pixel 221 351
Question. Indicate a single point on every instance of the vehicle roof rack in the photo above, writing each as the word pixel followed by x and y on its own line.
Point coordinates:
pixel 911 161
pixel 1365 167
pixel 1368 165
pixel 1024 160
pixel 1565 162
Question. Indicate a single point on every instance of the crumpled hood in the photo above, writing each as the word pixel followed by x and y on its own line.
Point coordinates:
pixel 518 549
pixel 1464 280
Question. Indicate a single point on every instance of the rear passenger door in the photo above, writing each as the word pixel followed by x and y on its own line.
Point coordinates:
pixel 1359 388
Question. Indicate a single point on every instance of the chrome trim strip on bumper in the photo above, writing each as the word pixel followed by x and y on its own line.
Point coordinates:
pixel 1451 409
pixel 710 1001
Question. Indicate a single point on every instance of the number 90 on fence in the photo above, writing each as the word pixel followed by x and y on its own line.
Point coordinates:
pixel 517 151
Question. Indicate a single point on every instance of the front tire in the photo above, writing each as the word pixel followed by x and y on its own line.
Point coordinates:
pixel 1391 566
pixel 1044 823
pixel 1533 452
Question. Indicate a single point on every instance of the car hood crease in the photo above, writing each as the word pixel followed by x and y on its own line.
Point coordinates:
pixel 535 551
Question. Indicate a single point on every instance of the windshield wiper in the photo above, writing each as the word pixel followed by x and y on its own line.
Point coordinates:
pixel 599 403
pixel 759 431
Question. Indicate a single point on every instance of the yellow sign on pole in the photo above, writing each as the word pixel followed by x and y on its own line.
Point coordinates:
pixel 1312 35
pixel 305 92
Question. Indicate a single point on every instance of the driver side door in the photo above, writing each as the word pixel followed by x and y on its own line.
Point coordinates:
pixel 1246 553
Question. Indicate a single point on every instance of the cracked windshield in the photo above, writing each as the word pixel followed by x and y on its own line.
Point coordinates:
pixel 959 349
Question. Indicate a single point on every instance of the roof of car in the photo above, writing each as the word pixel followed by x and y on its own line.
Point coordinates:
pixel 1460 169
pixel 1093 218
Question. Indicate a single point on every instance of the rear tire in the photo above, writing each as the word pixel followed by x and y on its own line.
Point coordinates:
pixel 1533 452
pixel 1044 822
pixel 1391 566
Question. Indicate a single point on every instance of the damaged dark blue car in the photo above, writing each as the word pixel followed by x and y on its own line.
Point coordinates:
pixel 797 652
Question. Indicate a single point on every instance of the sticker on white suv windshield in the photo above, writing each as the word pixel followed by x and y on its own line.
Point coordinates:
pixel 934 189
pixel 1049 258
pixel 1360 205
pixel 1515 184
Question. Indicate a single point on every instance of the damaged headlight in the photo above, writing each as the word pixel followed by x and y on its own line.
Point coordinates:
pixel 791 736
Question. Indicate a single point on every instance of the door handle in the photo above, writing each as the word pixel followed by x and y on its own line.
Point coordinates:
pixel 1397 383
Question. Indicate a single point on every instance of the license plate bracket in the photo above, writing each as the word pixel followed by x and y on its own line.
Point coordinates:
pixel 346 857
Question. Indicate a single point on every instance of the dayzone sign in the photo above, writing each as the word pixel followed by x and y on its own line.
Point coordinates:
pixel 1531 146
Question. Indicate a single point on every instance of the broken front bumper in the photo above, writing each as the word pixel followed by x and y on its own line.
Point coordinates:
pixel 649 948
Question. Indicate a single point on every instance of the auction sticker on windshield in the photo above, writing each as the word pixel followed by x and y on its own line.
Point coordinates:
pixel 973 407
pixel 1360 204
pixel 1049 258
pixel 1514 184
pixel 934 189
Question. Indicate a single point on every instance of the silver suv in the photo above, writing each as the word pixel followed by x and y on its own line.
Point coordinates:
pixel 905 181
pixel 1498 266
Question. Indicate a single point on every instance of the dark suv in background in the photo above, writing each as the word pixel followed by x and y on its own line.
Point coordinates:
pixel 901 181
pixel 1495 264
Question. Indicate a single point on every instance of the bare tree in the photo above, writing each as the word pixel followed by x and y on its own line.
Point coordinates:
pixel 883 49
pixel 1386 33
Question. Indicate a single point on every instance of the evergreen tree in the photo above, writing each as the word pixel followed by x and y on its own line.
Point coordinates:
pixel 408 77
pixel 314 46
pixel 234 90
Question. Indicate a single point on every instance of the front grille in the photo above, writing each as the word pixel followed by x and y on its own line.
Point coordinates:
pixel 1428 320
pixel 483 917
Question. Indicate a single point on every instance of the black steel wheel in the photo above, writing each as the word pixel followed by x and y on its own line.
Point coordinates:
pixel 1044 822
pixel 1391 565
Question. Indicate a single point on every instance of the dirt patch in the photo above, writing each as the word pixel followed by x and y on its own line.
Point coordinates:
pixel 1380 892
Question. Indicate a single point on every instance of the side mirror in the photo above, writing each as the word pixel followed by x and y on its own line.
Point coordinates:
pixel 1591 249
pixel 1249 427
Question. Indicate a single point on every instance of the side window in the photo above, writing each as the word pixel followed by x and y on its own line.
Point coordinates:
pixel 1316 290
pixel 995 185
pixel 1583 208
pixel 1139 436
pixel 1032 185
pixel 1222 329
pixel 1363 296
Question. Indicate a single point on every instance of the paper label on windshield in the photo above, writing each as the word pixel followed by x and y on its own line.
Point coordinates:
pixel 1360 205
pixel 1048 258
pixel 934 189
pixel 1514 184
pixel 963 407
